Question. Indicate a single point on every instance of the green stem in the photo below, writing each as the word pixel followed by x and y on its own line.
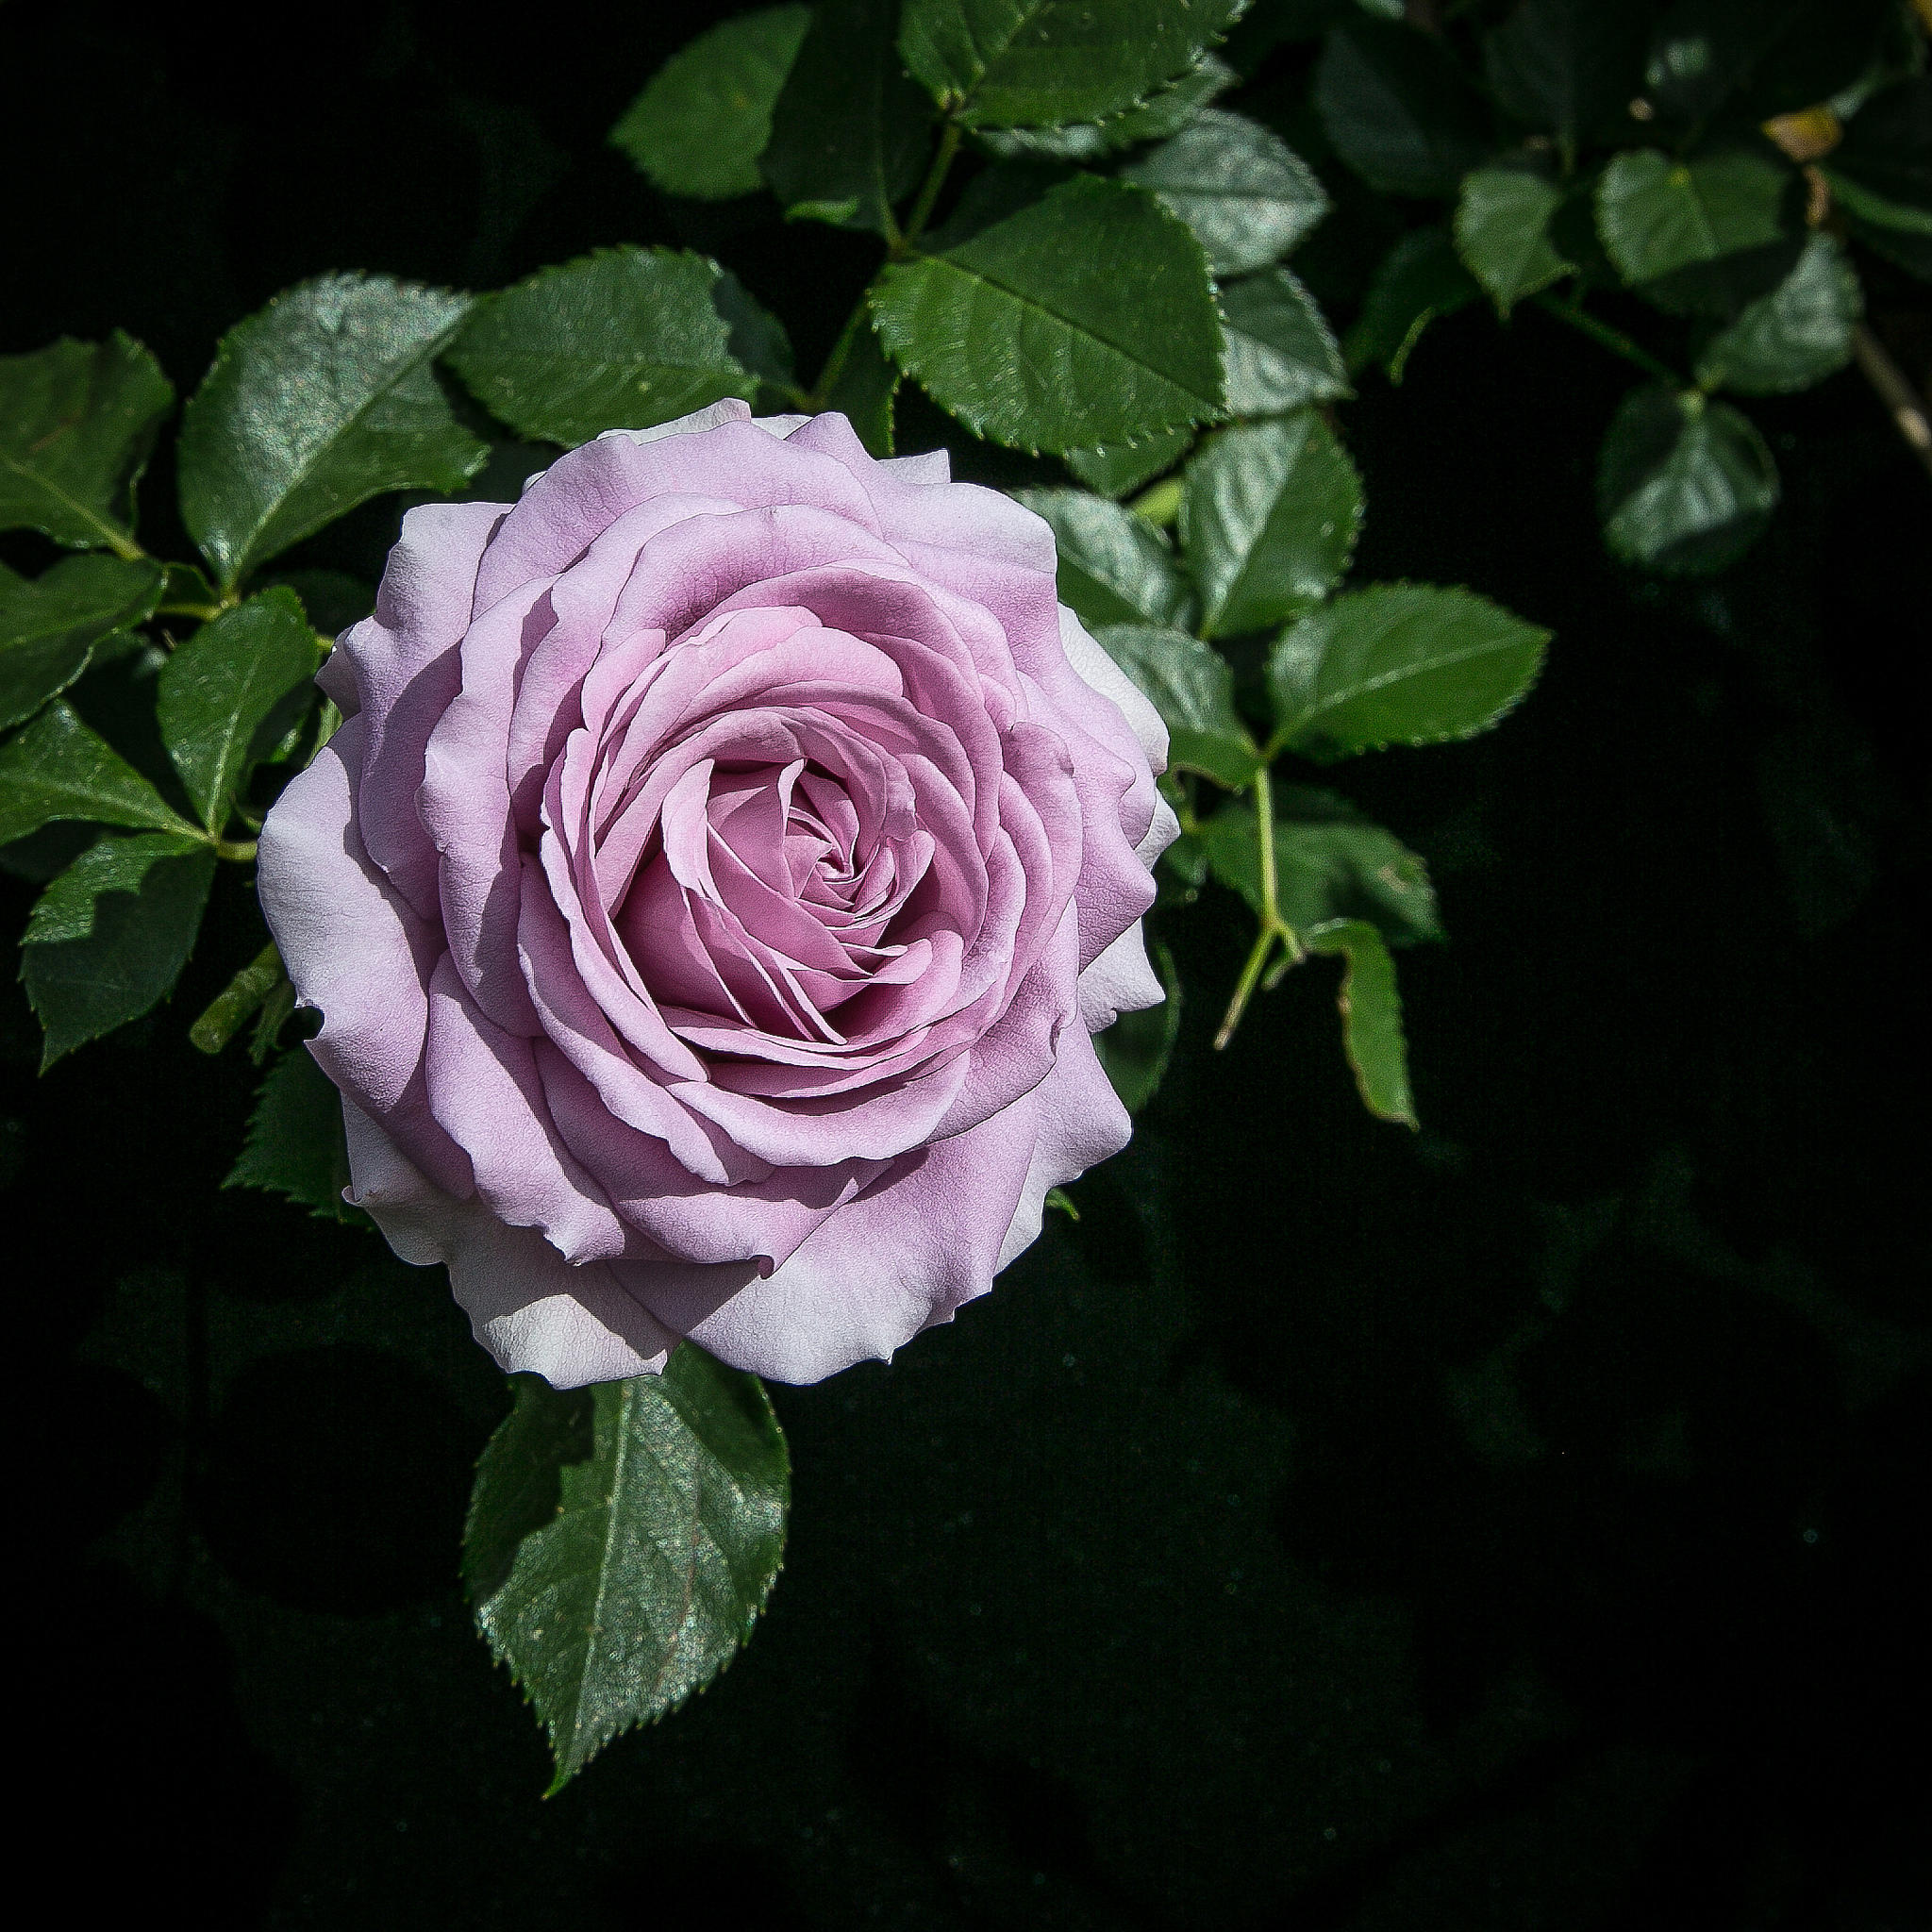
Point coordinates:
pixel 240 850
pixel 1244 987
pixel 242 996
pixel 202 613
pixel 1274 927
pixel 1264 826
pixel 858 319
pixel 1614 339
pixel 928 190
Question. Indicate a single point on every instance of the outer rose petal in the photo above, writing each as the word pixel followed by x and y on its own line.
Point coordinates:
pixel 527 1306
pixel 355 951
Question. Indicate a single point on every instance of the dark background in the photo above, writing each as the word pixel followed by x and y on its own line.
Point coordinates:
pixel 1515 1525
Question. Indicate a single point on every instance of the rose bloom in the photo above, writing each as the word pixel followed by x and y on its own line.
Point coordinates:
pixel 726 854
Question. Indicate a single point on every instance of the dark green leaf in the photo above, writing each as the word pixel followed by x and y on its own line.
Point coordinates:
pixel 1241 189
pixel 109 937
pixel 1370 1017
pixel 1268 518
pixel 863 392
pixel 1119 468
pixel 704 118
pixel 1683 486
pixel 624 339
pixel 295 1143
pixel 1698 236
pixel 755 339
pixel 1396 109
pixel 1330 863
pixel 1793 337
pixel 1086 318
pixel 1191 685
pixel 326 398
pixel 1399 664
pixel 1043 64
pixel 77 422
pixel 1135 1050
pixel 1114 567
pixel 850 132
pixel 58 769
pixel 1569 66
pixel 622 1541
pixel 49 625
pixel 1503 231
pixel 220 698
pixel 1420 278
pixel 1160 114
pixel 1280 354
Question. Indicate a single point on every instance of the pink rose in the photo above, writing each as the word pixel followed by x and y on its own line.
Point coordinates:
pixel 726 856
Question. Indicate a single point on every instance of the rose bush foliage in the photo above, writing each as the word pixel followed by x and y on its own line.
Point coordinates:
pixel 727 853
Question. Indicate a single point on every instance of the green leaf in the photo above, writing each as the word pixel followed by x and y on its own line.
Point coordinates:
pixel 324 399
pixel 1280 354
pixel 1135 1050
pixel 1269 516
pixel 1420 278
pixel 1163 113
pixel 77 422
pixel 1117 468
pixel 1247 195
pixel 1683 486
pixel 56 768
pixel 1696 236
pixel 1085 318
pixel 1399 664
pixel 850 132
pixel 1191 686
pixel 1043 64
pixel 863 392
pixel 50 625
pixel 621 1541
pixel 704 118
pixel 1370 1017
pixel 221 697
pixel 295 1143
pixel 1793 337
pixel 1569 66
pixel 1503 231
pixel 1114 566
pixel 1396 109
pixel 624 339
pixel 1330 863
pixel 109 937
